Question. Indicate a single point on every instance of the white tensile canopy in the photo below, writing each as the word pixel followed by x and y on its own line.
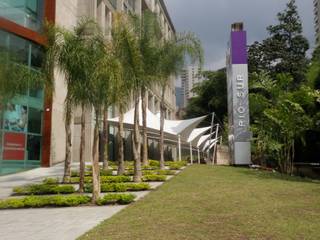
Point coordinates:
pixel 176 131
pixel 209 144
pixel 196 134
pixel 171 128
pixel 203 139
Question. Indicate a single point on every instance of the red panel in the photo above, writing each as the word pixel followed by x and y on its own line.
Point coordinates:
pixel 50 15
pixel 13 155
pixel 14 146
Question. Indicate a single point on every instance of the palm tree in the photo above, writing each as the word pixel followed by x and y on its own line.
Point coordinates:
pixel 172 55
pixel 149 38
pixel 126 49
pixel 84 60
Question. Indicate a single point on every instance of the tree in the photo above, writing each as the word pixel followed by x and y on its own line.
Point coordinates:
pixel 149 38
pixel 211 96
pixel 172 53
pixel 89 72
pixel 285 50
pixel 126 48
pixel 280 118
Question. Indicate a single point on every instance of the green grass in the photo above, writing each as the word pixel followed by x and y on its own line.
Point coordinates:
pixel 220 203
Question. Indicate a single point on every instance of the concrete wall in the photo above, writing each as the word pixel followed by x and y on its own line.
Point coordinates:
pixel 223 155
pixel 66 16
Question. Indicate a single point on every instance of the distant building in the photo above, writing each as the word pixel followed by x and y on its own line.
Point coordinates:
pixel 179 97
pixel 190 77
pixel 316 4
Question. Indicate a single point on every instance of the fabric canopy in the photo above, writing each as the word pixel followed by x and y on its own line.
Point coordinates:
pixel 203 139
pixel 196 135
pixel 172 129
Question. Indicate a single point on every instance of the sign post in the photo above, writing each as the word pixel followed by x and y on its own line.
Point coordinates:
pixel 238 100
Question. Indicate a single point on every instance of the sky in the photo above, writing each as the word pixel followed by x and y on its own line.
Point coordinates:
pixel 211 21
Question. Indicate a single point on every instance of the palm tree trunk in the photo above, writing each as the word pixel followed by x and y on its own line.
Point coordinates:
pixel 82 149
pixel 67 162
pixel 145 161
pixel 161 144
pixel 95 161
pixel 104 155
pixel 120 137
pixel 136 142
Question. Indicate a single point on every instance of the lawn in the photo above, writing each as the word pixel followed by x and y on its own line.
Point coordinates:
pixel 206 202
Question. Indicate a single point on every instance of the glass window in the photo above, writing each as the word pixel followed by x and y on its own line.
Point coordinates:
pixel 3 40
pixel 37 93
pixel 37 55
pixel 27 13
pixel 34 121
pixel 15 118
pixel 33 148
pixel 20 49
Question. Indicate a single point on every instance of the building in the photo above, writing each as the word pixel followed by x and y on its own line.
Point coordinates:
pixel 40 140
pixel 179 97
pixel 190 77
pixel 316 4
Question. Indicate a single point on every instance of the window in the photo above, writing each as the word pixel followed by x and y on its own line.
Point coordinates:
pixel 27 13
pixel 22 118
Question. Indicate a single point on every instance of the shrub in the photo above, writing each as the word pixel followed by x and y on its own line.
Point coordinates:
pixel 158 172
pixel 154 178
pixel 106 172
pixel 115 179
pixel 120 187
pixel 154 163
pixel 50 181
pixel 176 165
pixel 103 179
pixel 152 172
pixel 89 173
pixel 116 198
pixel 44 201
pixel 42 189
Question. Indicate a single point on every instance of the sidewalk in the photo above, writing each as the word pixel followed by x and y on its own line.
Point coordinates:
pixel 50 223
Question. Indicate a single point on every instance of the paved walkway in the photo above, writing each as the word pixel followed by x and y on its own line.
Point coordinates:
pixel 50 223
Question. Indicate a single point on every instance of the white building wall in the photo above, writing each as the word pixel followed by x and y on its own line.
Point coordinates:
pixel 68 12
pixel 66 16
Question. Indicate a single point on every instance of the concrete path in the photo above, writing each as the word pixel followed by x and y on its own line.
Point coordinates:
pixel 50 223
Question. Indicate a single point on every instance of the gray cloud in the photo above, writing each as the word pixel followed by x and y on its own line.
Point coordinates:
pixel 211 21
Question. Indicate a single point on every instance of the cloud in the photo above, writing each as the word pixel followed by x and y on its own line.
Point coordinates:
pixel 211 21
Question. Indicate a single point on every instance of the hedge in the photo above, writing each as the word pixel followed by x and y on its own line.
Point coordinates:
pixel 103 179
pixel 63 201
pixel 176 165
pixel 89 173
pixel 120 187
pixel 154 178
pixel 153 172
pixel 116 198
pixel 43 189
pixel 44 201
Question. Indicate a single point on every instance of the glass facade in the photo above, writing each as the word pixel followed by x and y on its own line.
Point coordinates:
pixel 22 117
pixel 27 13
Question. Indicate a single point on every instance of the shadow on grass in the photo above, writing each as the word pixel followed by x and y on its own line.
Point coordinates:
pixel 262 174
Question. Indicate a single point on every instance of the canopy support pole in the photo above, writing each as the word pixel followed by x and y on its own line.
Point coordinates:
pixel 215 147
pixel 198 156
pixel 179 147
pixel 191 154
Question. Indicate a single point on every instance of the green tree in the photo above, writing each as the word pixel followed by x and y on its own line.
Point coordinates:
pixel 211 96
pixel 126 48
pixel 280 118
pixel 284 51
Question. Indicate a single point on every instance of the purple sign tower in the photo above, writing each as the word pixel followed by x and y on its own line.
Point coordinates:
pixel 238 103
